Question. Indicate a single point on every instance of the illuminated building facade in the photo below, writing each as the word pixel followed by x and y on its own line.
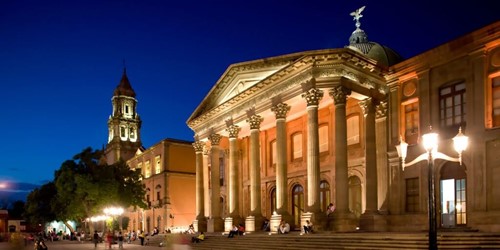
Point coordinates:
pixel 283 137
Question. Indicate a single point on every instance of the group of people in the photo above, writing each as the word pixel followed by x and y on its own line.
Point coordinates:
pixel 237 230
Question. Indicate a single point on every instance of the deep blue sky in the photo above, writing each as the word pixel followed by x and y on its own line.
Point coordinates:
pixel 61 60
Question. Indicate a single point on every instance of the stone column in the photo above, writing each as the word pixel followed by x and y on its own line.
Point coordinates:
pixel 370 155
pixel 201 222
pixel 215 223
pixel 233 187
pixel 382 159
pixel 280 110
pixel 343 219
pixel 206 175
pixel 255 197
pixel 312 97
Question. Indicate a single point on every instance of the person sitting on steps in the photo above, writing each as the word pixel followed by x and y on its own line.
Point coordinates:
pixel 233 232
pixel 198 239
pixel 284 227
pixel 308 227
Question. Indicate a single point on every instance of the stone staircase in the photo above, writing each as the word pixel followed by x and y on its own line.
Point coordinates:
pixel 382 241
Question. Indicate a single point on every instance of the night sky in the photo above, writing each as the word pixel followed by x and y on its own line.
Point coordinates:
pixel 61 60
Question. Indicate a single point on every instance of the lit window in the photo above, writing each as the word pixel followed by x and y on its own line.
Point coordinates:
pixel 411 122
pixel 297 146
pixel 132 133
pixel 158 164
pixel 147 170
pixel 452 105
pixel 353 129
pixel 323 138
pixel 495 101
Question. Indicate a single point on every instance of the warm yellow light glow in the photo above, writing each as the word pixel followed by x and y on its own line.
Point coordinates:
pixel 402 148
pixel 113 211
pixel 460 142
pixel 430 141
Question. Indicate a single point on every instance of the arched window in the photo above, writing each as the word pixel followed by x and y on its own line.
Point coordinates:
pixel 297 202
pixel 272 201
pixel 324 195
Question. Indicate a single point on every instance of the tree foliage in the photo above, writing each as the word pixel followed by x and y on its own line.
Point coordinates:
pixel 38 208
pixel 86 185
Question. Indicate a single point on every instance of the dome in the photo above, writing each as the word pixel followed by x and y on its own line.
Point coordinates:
pixel 382 54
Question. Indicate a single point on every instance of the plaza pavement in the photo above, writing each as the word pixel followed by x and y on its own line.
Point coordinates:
pixel 75 245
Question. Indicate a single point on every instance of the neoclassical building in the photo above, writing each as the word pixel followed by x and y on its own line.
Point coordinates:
pixel 283 137
pixel 167 168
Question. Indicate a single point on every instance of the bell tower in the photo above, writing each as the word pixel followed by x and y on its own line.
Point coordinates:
pixel 124 124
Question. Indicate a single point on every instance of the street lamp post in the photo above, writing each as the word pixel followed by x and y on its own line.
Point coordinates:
pixel 430 143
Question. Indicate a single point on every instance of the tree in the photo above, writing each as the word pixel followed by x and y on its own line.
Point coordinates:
pixel 85 186
pixel 16 209
pixel 38 208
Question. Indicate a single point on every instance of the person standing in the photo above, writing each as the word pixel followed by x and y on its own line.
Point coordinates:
pixel 96 238
pixel 120 240
pixel 141 237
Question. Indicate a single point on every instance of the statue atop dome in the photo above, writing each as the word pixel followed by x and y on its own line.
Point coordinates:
pixel 357 15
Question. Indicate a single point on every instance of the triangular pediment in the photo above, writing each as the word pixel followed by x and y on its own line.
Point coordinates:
pixel 241 76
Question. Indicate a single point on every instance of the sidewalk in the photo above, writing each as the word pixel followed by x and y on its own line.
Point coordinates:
pixel 75 245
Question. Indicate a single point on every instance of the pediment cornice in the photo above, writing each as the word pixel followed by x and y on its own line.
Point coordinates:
pixel 326 67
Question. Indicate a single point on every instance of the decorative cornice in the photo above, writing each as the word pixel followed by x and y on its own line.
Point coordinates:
pixel 289 79
pixel 281 109
pixel 255 121
pixel 313 96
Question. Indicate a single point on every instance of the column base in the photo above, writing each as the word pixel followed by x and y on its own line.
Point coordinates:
pixel 373 222
pixel 200 225
pixel 318 219
pixel 254 223
pixel 215 225
pixel 343 222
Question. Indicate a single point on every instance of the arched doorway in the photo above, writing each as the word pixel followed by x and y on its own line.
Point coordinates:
pixel 324 195
pixel 453 186
pixel 297 203
pixel 355 195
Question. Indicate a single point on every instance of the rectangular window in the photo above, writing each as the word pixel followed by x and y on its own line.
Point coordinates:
pixel 157 164
pixel 122 132
pixel 495 101
pixel 452 105
pixel 412 195
pixel 148 169
pixel 273 153
pixel 353 129
pixel 221 171
pixel 297 146
pixel 411 122
pixel 323 138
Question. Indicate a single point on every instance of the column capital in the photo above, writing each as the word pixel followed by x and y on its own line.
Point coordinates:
pixel 233 131
pixel 339 94
pixel 198 146
pixel 367 106
pixel 206 150
pixel 255 121
pixel 313 96
pixel 214 139
pixel 280 110
pixel 381 110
